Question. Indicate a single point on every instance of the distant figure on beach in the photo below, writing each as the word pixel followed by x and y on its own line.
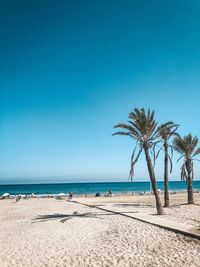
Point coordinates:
pixel 70 196
pixel 18 197
pixel 110 194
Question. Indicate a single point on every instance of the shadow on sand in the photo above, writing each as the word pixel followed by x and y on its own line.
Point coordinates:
pixel 65 217
pixel 137 205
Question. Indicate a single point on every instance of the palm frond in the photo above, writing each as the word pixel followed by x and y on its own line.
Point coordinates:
pixel 171 163
pixel 124 133
pixel 180 158
pixel 160 149
pixel 133 161
pixel 167 130
pixel 129 128
pixel 186 145
pixel 154 151
pixel 172 151
pixel 183 173
pixel 196 152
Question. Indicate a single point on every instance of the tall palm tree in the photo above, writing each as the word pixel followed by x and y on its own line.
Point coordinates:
pixel 166 133
pixel 143 128
pixel 187 147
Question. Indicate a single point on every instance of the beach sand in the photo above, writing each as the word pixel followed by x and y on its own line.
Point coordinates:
pixel 50 232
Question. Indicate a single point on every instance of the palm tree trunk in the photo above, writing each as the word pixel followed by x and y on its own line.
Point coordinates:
pixel 159 207
pixel 166 178
pixel 190 190
pixel 189 182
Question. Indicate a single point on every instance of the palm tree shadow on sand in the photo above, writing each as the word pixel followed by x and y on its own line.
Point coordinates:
pixel 65 217
pixel 137 205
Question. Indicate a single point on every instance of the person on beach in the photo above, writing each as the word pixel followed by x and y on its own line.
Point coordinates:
pixel 70 196
pixel 110 194
pixel 18 197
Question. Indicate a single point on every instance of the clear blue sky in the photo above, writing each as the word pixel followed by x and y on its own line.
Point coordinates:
pixel 70 70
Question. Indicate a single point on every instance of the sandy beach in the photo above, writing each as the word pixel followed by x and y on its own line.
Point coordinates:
pixel 51 232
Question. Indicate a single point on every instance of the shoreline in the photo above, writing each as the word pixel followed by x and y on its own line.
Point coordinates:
pixel 93 188
pixel 85 195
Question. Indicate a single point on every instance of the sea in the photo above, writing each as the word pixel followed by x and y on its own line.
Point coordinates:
pixel 91 188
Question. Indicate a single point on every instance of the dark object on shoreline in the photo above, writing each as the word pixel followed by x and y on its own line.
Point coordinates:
pixel 110 194
pixel 5 195
pixel 70 196
pixel 97 194
pixel 18 198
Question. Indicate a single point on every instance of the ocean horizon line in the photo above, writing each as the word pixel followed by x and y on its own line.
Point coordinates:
pixel 88 182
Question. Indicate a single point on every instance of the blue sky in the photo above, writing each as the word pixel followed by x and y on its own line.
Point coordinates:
pixel 70 70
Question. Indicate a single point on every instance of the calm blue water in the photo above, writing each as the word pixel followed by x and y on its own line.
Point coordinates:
pixel 90 188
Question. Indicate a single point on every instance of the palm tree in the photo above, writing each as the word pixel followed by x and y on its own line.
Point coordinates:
pixel 187 148
pixel 166 133
pixel 143 128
